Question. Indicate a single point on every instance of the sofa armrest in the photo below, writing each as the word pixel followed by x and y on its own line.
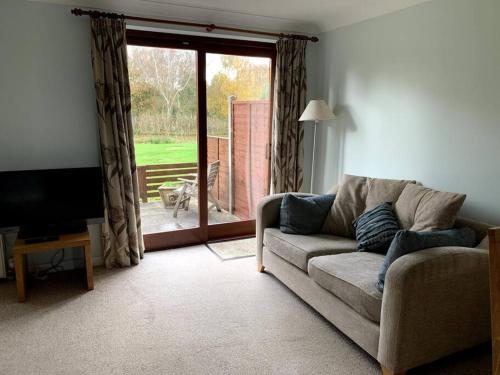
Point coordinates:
pixel 268 214
pixel 435 302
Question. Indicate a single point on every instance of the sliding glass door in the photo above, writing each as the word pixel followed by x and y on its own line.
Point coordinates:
pixel 238 138
pixel 202 126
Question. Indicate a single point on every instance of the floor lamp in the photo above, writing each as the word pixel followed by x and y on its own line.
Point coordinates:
pixel 316 110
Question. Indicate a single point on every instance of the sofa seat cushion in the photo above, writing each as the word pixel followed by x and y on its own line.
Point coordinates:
pixel 352 277
pixel 298 249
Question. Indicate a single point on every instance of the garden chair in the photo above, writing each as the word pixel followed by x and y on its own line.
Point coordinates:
pixel 190 188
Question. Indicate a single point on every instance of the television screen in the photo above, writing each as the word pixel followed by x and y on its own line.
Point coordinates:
pixel 50 196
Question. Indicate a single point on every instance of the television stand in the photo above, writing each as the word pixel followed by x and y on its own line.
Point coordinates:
pixel 24 247
pixel 33 240
pixel 44 232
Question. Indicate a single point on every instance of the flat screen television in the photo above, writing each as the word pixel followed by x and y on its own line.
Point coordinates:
pixel 51 201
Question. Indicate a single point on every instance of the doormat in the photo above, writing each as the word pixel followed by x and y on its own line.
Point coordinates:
pixel 234 249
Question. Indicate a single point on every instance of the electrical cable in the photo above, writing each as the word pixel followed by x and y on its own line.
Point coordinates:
pixel 54 266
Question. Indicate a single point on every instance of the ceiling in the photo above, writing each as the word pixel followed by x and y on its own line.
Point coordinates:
pixel 307 16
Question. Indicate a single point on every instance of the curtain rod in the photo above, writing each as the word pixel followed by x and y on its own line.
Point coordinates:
pixel 206 26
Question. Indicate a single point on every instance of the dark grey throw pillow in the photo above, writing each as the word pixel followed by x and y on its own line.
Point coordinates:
pixel 376 228
pixel 304 215
pixel 406 242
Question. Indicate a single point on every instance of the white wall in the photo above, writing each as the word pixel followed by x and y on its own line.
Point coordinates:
pixel 47 102
pixel 417 95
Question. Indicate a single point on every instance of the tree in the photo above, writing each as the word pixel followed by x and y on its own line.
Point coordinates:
pixel 168 72
pixel 244 77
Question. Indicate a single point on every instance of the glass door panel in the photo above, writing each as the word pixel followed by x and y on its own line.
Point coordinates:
pixel 238 135
pixel 163 83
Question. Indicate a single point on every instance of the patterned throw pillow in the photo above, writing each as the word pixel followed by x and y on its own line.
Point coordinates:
pixel 376 228
pixel 304 215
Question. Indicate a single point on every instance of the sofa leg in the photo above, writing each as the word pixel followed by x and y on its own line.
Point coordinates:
pixel 260 268
pixel 389 372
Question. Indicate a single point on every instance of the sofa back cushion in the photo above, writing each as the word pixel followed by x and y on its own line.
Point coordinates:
pixel 421 209
pixel 356 195
pixel 380 190
pixel 348 205
pixel 333 190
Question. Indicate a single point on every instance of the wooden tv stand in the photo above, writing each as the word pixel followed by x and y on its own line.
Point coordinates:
pixel 21 248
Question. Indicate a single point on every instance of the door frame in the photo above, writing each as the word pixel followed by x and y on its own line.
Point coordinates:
pixel 203 45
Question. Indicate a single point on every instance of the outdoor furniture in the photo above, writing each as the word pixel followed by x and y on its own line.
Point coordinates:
pixel 190 188
pixel 169 195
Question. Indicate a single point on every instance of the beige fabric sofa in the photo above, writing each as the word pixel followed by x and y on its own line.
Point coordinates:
pixel 435 301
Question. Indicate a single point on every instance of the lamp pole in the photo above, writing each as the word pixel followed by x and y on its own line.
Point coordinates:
pixel 317 110
pixel 313 155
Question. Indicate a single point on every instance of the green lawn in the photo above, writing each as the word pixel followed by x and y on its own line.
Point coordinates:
pixel 165 153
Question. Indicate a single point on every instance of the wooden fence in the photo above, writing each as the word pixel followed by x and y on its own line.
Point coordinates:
pixel 251 155
pixel 153 176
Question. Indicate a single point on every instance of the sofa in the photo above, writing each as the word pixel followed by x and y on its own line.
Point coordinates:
pixel 435 301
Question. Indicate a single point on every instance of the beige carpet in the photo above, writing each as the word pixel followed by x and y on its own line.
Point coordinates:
pixel 234 249
pixel 182 312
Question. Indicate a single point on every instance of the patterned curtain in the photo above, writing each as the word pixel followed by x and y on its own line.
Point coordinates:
pixel 122 237
pixel 289 103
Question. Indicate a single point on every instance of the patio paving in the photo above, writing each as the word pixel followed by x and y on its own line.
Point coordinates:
pixel 155 217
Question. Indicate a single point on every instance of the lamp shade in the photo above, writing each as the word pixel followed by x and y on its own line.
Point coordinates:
pixel 317 110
